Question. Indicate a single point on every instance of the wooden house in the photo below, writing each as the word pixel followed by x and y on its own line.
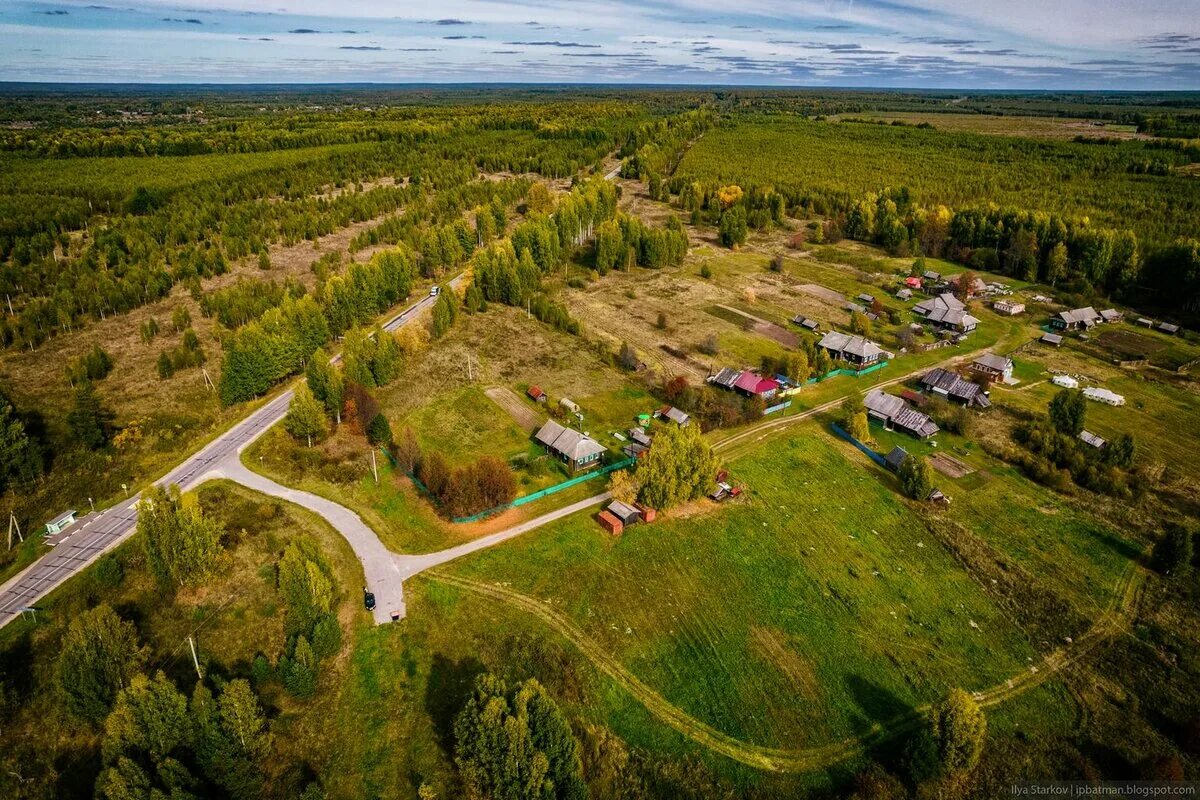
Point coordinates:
pixel 895 414
pixel 953 387
pixel 1075 319
pixel 577 451
pixel 993 367
pixel 947 312
pixel 852 349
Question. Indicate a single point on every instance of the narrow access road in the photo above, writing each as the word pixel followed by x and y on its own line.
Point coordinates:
pixel 95 534
pixel 411 565
pixel 383 575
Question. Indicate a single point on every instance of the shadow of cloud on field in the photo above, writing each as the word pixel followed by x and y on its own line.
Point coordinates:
pixel 878 704
pixel 446 692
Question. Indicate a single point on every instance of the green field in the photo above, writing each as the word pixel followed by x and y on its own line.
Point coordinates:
pixel 818 606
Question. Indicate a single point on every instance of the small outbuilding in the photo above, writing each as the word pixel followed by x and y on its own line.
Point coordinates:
pixel 894 459
pixel 1008 307
pixel 807 323
pixel 1102 395
pixel 1051 339
pixel 569 405
pixel 1167 327
pixel 61 522
pixel 536 394
pixel 904 294
pixel 624 512
pixel 1111 315
pixel 1092 440
pixel 672 413
pixel 610 523
pixel 725 378
pixel 1065 381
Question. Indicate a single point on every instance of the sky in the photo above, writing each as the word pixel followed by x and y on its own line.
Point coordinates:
pixel 949 44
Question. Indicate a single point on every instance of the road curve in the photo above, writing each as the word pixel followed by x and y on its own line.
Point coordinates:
pixel 95 534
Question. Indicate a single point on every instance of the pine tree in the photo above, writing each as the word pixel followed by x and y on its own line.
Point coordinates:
pixel 89 420
pixel 1068 410
pixel 379 432
pixel 300 671
pixel 326 384
pixel 165 368
pixel 21 457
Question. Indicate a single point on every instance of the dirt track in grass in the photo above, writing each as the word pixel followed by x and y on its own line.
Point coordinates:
pixel 1112 622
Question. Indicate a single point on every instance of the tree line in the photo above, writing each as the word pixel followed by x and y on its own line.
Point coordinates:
pixel 191 220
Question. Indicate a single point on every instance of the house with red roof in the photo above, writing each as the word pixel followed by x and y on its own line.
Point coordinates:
pixel 751 384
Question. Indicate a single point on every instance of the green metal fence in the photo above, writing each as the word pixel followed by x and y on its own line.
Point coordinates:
pixel 833 373
pixel 549 490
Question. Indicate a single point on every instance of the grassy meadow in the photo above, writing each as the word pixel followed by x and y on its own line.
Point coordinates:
pixel 815 607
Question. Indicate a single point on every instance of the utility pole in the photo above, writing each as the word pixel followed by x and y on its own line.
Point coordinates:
pixel 207 380
pixel 374 467
pixel 13 525
pixel 195 661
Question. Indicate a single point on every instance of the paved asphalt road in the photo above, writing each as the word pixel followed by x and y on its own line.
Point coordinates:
pixel 94 534
pixel 385 571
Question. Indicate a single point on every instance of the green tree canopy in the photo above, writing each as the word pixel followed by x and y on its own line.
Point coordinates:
pixel 916 479
pixel 516 745
pixel 98 657
pixel 679 467
pixel 88 419
pixel 1067 412
pixel 182 545
pixel 306 418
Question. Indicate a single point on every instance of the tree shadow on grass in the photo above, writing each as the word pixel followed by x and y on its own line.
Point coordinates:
pixel 878 704
pixel 446 692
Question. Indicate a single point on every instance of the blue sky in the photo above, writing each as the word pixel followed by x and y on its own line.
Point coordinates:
pixel 1042 44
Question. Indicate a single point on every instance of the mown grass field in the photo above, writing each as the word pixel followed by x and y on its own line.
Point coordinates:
pixel 817 606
